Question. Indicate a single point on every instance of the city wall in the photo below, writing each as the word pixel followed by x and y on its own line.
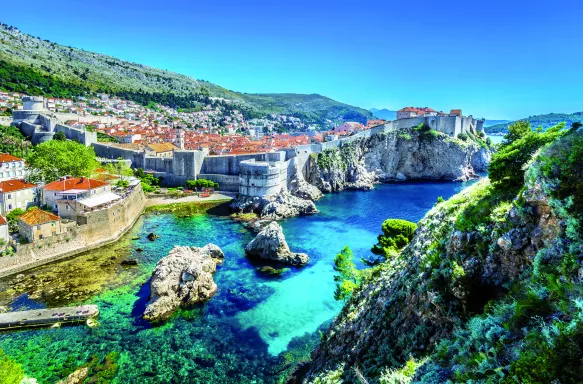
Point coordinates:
pixel 98 228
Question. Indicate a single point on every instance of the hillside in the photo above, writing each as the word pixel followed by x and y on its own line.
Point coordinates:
pixel 546 121
pixel 34 66
pixel 384 114
pixel 487 291
pixel 490 122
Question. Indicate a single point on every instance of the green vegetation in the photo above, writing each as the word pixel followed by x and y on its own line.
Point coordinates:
pixel 57 71
pixel 103 138
pixel 543 121
pixel 396 235
pixel 149 182
pixel 53 159
pixel 13 141
pixel 10 371
pixel 506 171
pixel 348 278
pixel 187 209
pixel 197 184
pixel 60 136
pixel 120 168
pixel 12 219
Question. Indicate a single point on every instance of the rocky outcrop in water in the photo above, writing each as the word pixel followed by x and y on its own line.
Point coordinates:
pixel 182 278
pixel 396 156
pixel 270 244
pixel 274 207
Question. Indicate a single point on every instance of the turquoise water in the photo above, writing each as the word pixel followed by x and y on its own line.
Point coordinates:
pixel 252 331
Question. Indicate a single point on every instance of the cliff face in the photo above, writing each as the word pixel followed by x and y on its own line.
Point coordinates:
pixel 397 155
pixel 488 291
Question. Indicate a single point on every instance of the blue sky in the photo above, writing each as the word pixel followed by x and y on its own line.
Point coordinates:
pixel 495 59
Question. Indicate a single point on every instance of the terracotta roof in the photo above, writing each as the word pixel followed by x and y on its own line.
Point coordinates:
pixel 36 216
pixel 14 185
pixel 162 147
pixel 74 183
pixel 2 220
pixel 6 157
pixel 456 112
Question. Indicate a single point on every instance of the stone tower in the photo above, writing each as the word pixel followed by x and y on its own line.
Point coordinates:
pixel 180 138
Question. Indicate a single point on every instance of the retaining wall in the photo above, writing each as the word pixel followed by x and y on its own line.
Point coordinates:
pixel 102 227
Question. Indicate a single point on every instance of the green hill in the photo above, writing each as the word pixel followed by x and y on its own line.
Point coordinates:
pixel 544 121
pixel 40 67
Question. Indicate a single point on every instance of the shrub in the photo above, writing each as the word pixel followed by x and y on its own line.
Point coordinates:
pixel 462 136
pixel 200 184
pixel 122 183
pixel 397 234
pixel 12 219
pixel 348 278
pixel 506 170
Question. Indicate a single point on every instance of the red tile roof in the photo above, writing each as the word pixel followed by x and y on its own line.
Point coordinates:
pixel 36 216
pixel 14 185
pixel 2 220
pixel 74 183
pixel 6 157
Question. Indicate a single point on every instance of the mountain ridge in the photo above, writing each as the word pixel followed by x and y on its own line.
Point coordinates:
pixel 28 63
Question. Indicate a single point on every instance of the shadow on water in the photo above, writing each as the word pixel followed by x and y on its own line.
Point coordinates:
pixel 139 307
pixel 220 210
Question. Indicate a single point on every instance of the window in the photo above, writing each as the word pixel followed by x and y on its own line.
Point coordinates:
pixel 9 206
pixel 38 227
pixel 55 207
pixel 67 207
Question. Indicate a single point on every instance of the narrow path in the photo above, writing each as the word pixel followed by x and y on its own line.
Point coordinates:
pixel 151 201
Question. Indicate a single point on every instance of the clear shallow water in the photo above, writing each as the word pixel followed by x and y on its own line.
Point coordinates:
pixel 254 329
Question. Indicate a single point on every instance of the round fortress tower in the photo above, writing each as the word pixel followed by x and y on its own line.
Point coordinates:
pixel 32 107
pixel 33 103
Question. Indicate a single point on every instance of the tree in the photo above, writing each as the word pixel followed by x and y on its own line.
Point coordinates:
pixel 60 136
pixel 506 170
pixel 201 183
pixel 120 167
pixel 516 131
pixel 53 159
pixel 348 278
pixel 576 125
pixel 396 235
pixel 12 219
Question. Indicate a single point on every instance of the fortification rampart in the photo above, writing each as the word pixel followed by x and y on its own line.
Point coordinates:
pixel 262 178
pixel 99 228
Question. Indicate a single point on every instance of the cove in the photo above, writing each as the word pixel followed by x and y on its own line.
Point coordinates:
pixel 254 330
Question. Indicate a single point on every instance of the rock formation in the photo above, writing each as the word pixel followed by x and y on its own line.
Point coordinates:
pixel 299 187
pixel 274 207
pixel 396 156
pixel 476 272
pixel 270 244
pixel 182 278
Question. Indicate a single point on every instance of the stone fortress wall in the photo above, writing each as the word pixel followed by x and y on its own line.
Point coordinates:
pixel 92 230
pixel 34 121
pixel 248 174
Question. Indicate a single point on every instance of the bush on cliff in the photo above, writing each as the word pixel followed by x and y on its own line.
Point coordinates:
pixel 506 170
pixel 348 278
pixel 396 235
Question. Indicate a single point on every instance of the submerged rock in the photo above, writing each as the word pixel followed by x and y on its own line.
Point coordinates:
pixel 267 270
pixel 275 207
pixel 182 278
pixel 129 262
pixel 152 236
pixel 76 377
pixel 270 244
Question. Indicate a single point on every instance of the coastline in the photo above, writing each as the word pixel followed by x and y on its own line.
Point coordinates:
pixel 187 205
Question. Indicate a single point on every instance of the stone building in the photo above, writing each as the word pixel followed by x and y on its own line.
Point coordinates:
pixel 12 167
pixel 160 149
pixel 17 194
pixel 70 196
pixel 37 224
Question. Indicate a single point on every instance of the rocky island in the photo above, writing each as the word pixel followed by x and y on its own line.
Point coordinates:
pixel 182 278
pixel 270 244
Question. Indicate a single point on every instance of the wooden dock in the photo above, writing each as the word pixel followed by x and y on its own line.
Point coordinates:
pixel 48 317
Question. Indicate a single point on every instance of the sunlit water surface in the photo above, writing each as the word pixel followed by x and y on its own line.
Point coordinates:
pixel 254 329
